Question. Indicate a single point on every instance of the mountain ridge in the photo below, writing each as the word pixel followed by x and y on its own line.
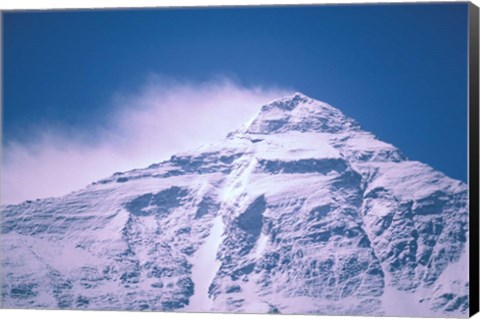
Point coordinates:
pixel 307 213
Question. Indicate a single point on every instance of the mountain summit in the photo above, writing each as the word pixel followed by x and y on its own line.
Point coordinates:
pixel 300 113
pixel 300 211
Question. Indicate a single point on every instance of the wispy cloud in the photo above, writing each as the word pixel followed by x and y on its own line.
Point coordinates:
pixel 163 117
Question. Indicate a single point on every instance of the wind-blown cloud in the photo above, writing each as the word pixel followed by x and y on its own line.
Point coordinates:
pixel 162 118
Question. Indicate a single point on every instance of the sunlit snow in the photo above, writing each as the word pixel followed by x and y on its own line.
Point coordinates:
pixel 298 211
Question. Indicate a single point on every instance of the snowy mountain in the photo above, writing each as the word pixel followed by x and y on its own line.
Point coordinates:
pixel 300 211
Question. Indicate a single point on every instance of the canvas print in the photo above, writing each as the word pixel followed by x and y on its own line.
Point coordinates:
pixel 269 159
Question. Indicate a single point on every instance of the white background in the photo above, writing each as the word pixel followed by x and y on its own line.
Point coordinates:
pixel 55 4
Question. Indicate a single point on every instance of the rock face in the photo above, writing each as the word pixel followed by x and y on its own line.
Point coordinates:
pixel 301 211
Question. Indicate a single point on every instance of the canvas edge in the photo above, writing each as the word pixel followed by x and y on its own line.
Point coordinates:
pixel 473 97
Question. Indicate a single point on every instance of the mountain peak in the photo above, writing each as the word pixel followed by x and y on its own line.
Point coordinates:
pixel 260 223
pixel 290 102
pixel 298 112
pixel 298 97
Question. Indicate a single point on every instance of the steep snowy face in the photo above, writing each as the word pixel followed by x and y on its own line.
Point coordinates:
pixel 300 211
pixel 300 113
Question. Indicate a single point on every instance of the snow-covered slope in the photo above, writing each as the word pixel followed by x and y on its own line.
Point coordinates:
pixel 300 211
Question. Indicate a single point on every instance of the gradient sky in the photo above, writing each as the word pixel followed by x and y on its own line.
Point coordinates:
pixel 399 70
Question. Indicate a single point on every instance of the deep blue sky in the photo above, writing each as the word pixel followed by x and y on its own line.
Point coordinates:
pixel 400 70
